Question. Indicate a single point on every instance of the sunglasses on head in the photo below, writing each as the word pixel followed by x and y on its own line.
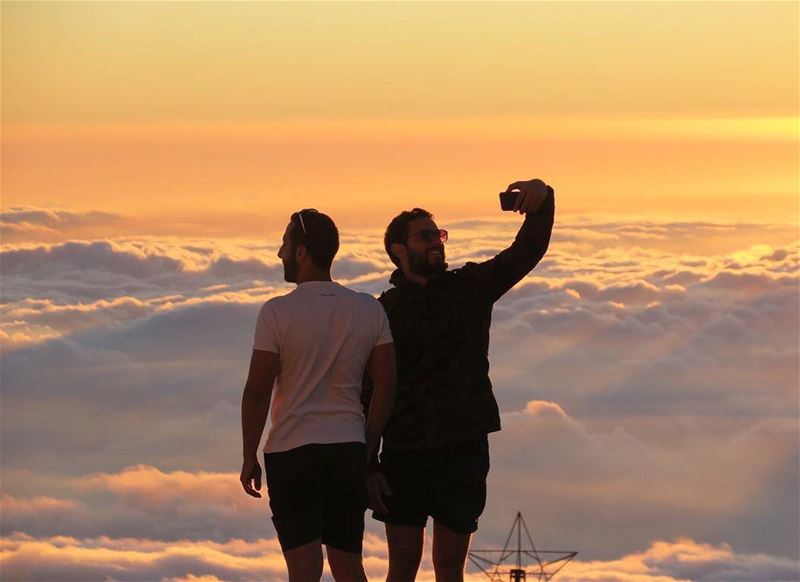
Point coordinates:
pixel 299 214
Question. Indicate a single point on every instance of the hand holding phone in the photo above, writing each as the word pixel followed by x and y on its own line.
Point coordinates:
pixel 507 200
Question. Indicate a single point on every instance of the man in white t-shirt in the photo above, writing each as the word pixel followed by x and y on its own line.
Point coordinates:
pixel 314 345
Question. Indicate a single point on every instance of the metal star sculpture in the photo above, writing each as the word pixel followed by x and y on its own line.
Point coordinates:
pixel 546 563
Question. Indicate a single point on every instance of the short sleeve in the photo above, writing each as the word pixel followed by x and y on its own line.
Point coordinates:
pixel 384 330
pixel 266 336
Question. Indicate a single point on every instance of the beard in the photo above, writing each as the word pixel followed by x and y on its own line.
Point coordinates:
pixel 425 264
pixel 289 271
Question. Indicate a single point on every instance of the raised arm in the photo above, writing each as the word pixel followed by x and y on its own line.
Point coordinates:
pixel 501 273
pixel 382 369
pixel 255 409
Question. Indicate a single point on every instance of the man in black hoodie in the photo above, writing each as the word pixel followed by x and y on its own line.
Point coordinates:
pixel 435 456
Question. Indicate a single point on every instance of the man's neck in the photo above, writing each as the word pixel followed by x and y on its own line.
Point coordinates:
pixel 314 276
pixel 414 278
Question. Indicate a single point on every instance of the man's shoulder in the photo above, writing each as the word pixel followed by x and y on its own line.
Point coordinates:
pixel 361 296
pixel 365 303
pixel 466 273
pixel 278 302
pixel 367 299
pixel 468 270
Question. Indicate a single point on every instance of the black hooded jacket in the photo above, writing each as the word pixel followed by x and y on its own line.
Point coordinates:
pixel 441 336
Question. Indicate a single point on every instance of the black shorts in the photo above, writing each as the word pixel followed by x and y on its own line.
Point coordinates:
pixel 318 492
pixel 447 484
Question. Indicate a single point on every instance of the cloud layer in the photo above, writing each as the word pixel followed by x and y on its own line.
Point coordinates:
pixel 80 559
pixel 22 223
pixel 647 373
pixel 117 525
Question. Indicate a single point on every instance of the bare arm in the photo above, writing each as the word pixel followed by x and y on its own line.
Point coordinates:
pixel 255 409
pixel 382 369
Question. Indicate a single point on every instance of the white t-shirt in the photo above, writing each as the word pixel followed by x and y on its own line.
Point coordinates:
pixel 324 334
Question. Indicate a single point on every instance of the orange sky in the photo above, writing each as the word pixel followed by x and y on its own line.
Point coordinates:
pixel 220 112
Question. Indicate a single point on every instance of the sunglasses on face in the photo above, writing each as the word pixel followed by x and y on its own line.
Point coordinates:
pixel 430 235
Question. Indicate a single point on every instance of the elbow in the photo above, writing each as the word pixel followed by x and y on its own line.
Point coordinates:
pixel 545 247
pixel 247 396
pixel 388 392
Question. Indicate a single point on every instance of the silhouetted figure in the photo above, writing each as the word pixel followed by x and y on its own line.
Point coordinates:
pixel 435 455
pixel 314 345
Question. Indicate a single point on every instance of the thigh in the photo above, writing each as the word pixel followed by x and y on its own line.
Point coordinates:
pixel 345 496
pixel 458 490
pixel 407 476
pixel 296 495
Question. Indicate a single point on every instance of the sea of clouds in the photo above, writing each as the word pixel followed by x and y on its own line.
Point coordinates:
pixel 647 374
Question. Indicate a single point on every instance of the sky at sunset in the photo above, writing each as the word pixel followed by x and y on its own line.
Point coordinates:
pixel 647 370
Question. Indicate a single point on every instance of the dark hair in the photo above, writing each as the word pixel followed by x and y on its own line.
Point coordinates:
pixel 321 237
pixel 397 231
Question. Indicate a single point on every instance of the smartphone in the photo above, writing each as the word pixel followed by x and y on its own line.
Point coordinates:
pixel 507 200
